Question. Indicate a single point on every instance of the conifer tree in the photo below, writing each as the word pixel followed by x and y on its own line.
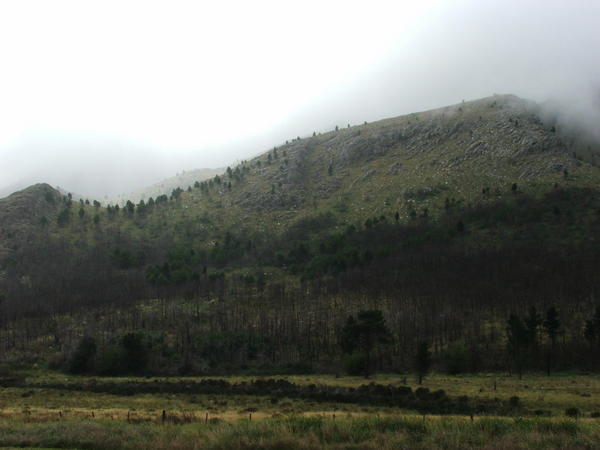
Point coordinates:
pixel 422 361
pixel 552 329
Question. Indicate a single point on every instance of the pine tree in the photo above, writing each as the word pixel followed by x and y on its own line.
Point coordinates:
pixel 552 328
pixel 365 334
pixel 592 328
pixel 422 361
pixel 533 322
pixel 592 332
pixel 517 342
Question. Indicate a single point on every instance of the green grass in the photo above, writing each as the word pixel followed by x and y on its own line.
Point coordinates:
pixel 536 391
pixel 315 432
pixel 553 394
pixel 33 416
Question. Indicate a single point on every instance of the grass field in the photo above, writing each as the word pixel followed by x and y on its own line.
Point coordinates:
pixel 408 432
pixel 33 415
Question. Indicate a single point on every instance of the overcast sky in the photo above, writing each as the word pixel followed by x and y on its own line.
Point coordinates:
pixel 104 97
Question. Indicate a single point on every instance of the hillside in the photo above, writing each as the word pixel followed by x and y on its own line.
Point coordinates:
pixel 400 164
pixel 181 180
pixel 410 162
pixel 416 164
pixel 419 165
pixel 22 213
pixel 445 220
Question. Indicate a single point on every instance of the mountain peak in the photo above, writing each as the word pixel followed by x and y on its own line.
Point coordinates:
pixel 25 208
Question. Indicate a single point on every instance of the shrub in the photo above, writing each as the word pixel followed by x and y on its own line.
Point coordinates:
pixel 456 358
pixel 82 360
pixel 514 402
pixel 113 361
pixel 355 364
pixel 422 393
pixel 136 352
pixel 58 361
pixel 572 412
pixel 63 217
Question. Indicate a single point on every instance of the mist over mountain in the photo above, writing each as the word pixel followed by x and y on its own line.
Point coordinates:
pixel 105 115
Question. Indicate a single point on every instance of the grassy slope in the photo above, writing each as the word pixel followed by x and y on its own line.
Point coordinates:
pixel 395 165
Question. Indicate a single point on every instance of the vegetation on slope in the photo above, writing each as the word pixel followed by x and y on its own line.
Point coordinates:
pixel 446 221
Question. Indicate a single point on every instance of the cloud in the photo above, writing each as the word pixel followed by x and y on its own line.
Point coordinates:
pixel 103 98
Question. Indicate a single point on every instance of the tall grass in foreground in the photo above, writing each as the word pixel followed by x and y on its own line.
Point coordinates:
pixel 411 432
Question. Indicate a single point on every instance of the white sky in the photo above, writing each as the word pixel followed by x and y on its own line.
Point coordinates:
pixel 107 96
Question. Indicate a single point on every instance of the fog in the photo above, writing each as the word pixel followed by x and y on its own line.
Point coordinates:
pixel 103 98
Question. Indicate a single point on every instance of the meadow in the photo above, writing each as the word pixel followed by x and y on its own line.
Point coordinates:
pixel 560 411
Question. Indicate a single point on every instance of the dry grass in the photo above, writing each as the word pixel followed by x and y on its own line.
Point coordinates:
pixel 554 393
pixel 536 392
pixel 309 432
pixel 37 417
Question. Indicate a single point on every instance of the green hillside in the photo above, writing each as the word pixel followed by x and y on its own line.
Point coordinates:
pixel 397 165
pixel 445 220
pixel 166 186
pixel 469 153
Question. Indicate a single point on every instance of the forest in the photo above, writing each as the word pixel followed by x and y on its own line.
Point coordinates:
pixel 464 287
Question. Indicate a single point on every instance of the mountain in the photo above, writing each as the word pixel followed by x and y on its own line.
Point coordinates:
pixel 409 162
pixel 181 180
pixel 22 212
pixel 446 220
pixel 470 153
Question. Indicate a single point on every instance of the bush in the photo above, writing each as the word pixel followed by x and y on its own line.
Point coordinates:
pixel 422 393
pixel 355 364
pixel 456 358
pixel 136 352
pixel 113 361
pixel 572 412
pixel 187 368
pixel 57 361
pixel 82 361
pixel 514 402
